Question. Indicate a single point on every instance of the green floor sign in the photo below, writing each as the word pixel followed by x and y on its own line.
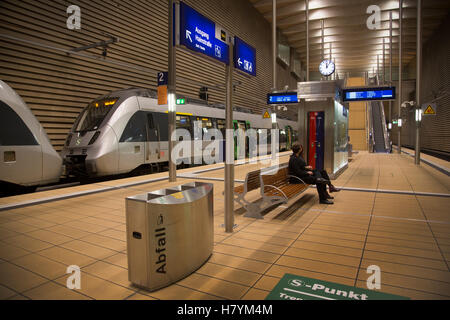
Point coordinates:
pixel 293 287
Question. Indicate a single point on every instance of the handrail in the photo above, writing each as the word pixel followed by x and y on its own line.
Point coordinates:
pixel 271 186
pixel 290 176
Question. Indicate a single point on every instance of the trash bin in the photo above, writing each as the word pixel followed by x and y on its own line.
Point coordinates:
pixel 170 233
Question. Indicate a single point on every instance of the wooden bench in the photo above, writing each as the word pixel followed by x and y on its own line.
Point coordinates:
pixel 274 186
pixel 252 182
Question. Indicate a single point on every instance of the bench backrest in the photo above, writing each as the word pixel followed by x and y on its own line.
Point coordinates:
pixel 275 177
pixel 252 181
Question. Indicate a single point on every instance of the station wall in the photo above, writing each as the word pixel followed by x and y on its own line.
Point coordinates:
pixel 435 132
pixel 34 41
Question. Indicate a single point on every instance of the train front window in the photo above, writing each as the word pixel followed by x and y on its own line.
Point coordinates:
pixel 92 117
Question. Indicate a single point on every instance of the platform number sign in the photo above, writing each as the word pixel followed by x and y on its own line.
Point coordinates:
pixel 163 78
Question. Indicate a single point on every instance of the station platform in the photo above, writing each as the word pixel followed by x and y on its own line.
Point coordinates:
pixel 390 213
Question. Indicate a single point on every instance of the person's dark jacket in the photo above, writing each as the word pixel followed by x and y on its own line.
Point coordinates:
pixel 297 168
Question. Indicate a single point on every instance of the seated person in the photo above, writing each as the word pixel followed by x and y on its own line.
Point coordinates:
pixel 299 168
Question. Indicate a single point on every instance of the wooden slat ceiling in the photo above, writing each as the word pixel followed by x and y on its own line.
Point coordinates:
pixel 354 46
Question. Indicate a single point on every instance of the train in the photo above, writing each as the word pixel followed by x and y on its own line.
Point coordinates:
pixel 28 158
pixel 126 130
pixel 122 132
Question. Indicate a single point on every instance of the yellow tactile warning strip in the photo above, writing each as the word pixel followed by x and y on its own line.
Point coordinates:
pixel 407 236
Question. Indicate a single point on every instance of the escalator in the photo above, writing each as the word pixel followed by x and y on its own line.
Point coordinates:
pixel 378 128
pixel 379 141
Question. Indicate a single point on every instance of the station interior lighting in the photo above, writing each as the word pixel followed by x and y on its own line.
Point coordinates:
pixel 418 115
pixel 274 117
pixel 171 101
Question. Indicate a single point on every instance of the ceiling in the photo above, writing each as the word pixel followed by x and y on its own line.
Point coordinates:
pixel 354 47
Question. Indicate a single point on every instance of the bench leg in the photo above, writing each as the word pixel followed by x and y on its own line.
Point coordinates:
pixel 253 211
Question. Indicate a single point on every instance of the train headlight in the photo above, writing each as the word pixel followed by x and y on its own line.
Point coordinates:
pixel 94 138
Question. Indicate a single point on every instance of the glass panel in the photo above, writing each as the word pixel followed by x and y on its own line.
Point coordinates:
pixel 92 117
pixel 135 131
pixel 297 67
pixel 340 137
pixel 13 131
pixel 284 53
pixel 184 122
pixel 221 125
pixel 161 122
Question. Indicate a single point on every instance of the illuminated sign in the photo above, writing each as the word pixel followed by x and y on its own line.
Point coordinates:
pixel 198 33
pixel 369 94
pixel 181 101
pixel 282 98
pixel 244 57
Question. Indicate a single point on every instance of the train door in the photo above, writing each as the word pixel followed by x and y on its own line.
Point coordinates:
pixel 221 125
pixel 186 122
pixel 160 121
pixel 152 145
pixel 207 124
pixel 241 149
pixel 236 151
pixel 316 139
pixel 132 143
pixel 247 140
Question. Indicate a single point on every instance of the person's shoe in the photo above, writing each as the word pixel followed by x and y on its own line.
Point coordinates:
pixel 330 197
pixel 326 201
pixel 334 189
pixel 322 180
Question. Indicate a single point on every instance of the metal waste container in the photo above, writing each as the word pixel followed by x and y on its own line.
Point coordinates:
pixel 170 233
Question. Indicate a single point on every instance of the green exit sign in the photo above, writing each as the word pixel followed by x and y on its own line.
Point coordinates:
pixel 181 101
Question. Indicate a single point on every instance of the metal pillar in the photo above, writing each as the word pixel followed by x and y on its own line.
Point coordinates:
pixel 400 39
pixel 171 92
pixel 378 67
pixel 323 40
pixel 229 161
pixel 384 70
pixel 307 40
pixel 390 63
pixel 418 79
pixel 274 52
pixel 274 45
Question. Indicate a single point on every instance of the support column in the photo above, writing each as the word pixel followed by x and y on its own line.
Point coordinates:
pixel 229 138
pixel 171 93
pixel 307 40
pixel 400 40
pixel 274 44
pixel 390 64
pixel 418 80
pixel 274 53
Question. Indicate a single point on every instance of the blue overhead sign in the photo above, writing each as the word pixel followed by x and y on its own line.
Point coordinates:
pixel 282 98
pixel 369 94
pixel 244 57
pixel 198 33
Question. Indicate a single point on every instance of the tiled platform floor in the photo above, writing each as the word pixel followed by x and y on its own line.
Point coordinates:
pixel 408 236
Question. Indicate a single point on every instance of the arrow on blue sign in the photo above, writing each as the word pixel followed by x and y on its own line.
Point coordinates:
pixel 188 35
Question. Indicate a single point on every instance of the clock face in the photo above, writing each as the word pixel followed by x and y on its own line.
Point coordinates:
pixel 326 67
